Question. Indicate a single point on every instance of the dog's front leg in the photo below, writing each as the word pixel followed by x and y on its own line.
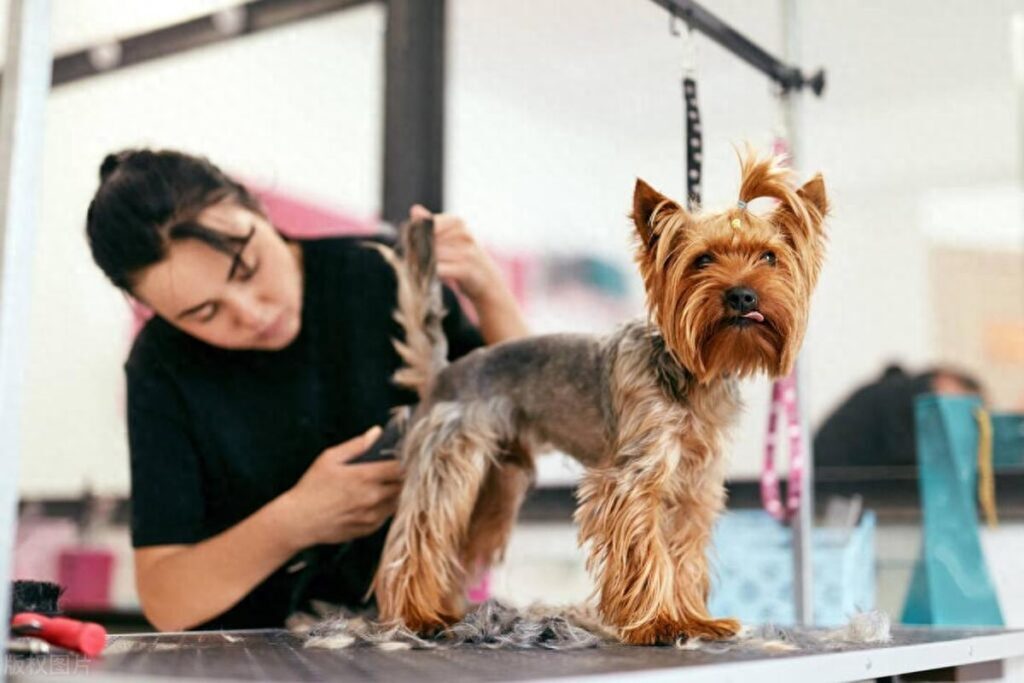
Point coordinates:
pixel 650 571
pixel 622 515
pixel 699 495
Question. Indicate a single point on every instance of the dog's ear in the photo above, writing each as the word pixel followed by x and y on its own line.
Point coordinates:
pixel 814 202
pixel 649 204
pixel 813 193
pixel 801 219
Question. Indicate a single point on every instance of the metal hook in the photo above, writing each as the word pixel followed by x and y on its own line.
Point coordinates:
pixel 689 44
pixel 689 53
pixel 779 94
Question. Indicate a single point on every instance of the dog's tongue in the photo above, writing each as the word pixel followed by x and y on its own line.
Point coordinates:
pixel 755 316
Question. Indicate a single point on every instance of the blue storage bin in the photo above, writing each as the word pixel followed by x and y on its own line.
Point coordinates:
pixel 752 570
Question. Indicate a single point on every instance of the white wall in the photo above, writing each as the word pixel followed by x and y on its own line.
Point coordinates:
pixel 555 106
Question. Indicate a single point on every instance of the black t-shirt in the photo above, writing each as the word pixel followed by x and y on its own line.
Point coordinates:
pixel 216 434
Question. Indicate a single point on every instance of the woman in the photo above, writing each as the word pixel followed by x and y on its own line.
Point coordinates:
pixel 264 371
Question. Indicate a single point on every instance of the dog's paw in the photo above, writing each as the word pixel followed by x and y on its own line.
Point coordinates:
pixel 665 631
pixel 431 625
pixel 661 631
pixel 710 629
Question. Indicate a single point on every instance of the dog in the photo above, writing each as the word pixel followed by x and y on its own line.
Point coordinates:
pixel 646 409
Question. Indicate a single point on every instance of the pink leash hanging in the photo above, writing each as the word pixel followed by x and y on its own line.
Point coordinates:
pixel 784 399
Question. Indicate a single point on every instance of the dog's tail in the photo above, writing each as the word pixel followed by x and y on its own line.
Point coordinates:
pixel 424 351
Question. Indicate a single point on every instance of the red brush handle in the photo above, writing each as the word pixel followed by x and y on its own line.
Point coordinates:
pixel 81 636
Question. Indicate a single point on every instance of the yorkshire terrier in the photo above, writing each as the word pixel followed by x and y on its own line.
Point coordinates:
pixel 645 409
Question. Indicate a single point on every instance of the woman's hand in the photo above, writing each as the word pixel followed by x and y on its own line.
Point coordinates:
pixel 462 261
pixel 335 501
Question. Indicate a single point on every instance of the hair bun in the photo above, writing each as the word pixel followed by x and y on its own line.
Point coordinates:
pixel 109 165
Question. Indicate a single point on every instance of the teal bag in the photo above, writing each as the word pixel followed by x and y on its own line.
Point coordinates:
pixel 951 585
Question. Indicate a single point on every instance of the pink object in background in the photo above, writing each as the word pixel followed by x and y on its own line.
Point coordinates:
pixel 86 574
pixel 515 268
pixel 38 543
pixel 784 399
pixel 140 315
pixel 481 591
pixel 304 219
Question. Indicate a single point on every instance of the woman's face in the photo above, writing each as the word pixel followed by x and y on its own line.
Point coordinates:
pixel 253 302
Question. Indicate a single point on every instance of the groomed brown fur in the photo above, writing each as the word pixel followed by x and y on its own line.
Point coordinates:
pixel 645 409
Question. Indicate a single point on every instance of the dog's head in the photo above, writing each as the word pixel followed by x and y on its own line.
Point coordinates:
pixel 730 290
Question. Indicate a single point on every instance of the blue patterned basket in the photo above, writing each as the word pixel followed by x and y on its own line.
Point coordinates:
pixel 752 570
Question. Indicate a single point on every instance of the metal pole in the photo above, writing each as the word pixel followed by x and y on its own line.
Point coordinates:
pixel 228 24
pixel 789 77
pixel 414 64
pixel 1017 50
pixel 803 524
pixel 22 112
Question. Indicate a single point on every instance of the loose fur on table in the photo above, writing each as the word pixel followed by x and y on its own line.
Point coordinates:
pixel 645 409
pixel 494 625
pixel 491 624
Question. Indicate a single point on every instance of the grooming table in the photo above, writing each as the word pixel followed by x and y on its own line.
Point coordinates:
pixel 277 655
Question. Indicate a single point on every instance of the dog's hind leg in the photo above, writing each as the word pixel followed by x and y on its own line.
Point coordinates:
pixel 497 506
pixel 447 453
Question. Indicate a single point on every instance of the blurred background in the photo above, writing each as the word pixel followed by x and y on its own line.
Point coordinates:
pixel 553 108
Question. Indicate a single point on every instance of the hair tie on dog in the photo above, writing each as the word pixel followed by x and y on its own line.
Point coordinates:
pixel 736 223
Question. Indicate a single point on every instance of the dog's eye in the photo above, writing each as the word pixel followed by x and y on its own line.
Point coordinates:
pixel 768 257
pixel 703 261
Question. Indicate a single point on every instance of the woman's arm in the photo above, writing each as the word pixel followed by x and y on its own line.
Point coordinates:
pixel 499 313
pixel 182 586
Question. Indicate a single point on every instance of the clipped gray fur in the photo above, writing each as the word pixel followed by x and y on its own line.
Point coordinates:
pixel 495 625
pixel 491 625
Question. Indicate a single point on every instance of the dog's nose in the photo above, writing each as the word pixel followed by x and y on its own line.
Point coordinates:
pixel 741 299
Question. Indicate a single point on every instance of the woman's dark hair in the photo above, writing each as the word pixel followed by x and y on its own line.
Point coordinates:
pixel 146 199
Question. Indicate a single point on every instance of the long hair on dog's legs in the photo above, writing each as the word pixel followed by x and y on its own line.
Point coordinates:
pixel 699 496
pixel 651 578
pixel 421 579
pixel 619 518
pixel 647 540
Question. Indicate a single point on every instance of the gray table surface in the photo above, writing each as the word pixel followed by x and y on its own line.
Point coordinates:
pixel 276 655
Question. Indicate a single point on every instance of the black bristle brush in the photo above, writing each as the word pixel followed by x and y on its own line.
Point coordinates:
pixel 35 613
pixel 39 597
